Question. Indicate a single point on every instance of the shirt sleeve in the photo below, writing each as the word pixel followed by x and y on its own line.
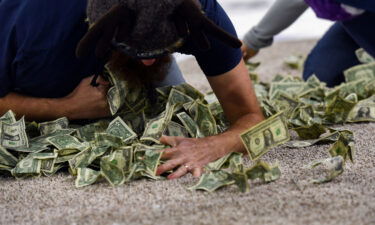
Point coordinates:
pixel 281 15
pixel 220 58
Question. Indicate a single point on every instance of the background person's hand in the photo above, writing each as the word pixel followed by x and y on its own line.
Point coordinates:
pixel 87 101
pixel 189 155
pixel 247 52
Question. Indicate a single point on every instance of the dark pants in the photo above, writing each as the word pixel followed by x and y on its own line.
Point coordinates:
pixel 335 52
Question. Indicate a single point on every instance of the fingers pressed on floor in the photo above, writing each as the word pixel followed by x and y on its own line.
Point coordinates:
pixel 197 172
pixel 169 165
pixel 181 171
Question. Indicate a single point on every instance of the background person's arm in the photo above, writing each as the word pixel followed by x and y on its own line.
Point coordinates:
pixel 85 102
pixel 280 16
pixel 236 95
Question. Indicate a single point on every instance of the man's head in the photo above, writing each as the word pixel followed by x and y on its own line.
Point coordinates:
pixel 146 26
pixel 147 29
pixel 143 33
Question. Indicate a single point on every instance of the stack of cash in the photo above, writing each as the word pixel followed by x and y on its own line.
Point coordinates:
pixel 126 146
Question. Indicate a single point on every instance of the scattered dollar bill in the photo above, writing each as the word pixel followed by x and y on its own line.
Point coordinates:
pixel 84 158
pixel 241 181
pixel 204 118
pixel 53 126
pixel 152 161
pixel 330 168
pixel 156 127
pixel 213 180
pixel 270 133
pixel 117 93
pixel 120 129
pixel 176 130
pixel 13 135
pixel 364 111
pixel 190 125
pixel 86 176
pixel 6 158
pixel 66 142
pixel 105 139
pixel 112 168
pixel 264 171
pixel 28 166
pixel 218 164
pixel 363 56
pixel 8 117
pixel 310 132
pixel 178 98
pixel 366 71
pixel 330 137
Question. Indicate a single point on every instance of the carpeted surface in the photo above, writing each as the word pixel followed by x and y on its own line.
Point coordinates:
pixel 349 199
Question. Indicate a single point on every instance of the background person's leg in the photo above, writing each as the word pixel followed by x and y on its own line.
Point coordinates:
pixel 362 31
pixel 334 53
pixel 174 76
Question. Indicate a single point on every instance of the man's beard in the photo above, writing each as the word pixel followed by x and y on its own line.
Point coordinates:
pixel 135 72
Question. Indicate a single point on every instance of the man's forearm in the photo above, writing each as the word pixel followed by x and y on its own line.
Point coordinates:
pixel 235 92
pixel 34 108
pixel 231 138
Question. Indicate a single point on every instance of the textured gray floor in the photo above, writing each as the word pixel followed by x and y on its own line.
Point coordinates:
pixel 350 199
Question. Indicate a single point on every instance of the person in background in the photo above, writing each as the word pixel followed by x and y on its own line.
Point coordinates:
pixel 335 51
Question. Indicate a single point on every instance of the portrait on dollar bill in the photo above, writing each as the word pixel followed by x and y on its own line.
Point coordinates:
pixel 11 137
pixel 268 138
pixel 363 112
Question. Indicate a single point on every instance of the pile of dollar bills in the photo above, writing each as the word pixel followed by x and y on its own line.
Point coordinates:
pixel 126 146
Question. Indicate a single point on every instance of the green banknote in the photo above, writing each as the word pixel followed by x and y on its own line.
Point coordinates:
pixel 363 56
pixel 329 168
pixel 213 180
pixel 52 126
pixel 120 129
pixel 86 176
pixel 13 135
pixel 270 133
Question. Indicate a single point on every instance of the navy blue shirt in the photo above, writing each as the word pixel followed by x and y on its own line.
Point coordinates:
pixel 38 40
pixel 220 58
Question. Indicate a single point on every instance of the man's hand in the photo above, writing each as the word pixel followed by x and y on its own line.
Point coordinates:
pixel 248 52
pixel 236 95
pixel 190 154
pixel 87 101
